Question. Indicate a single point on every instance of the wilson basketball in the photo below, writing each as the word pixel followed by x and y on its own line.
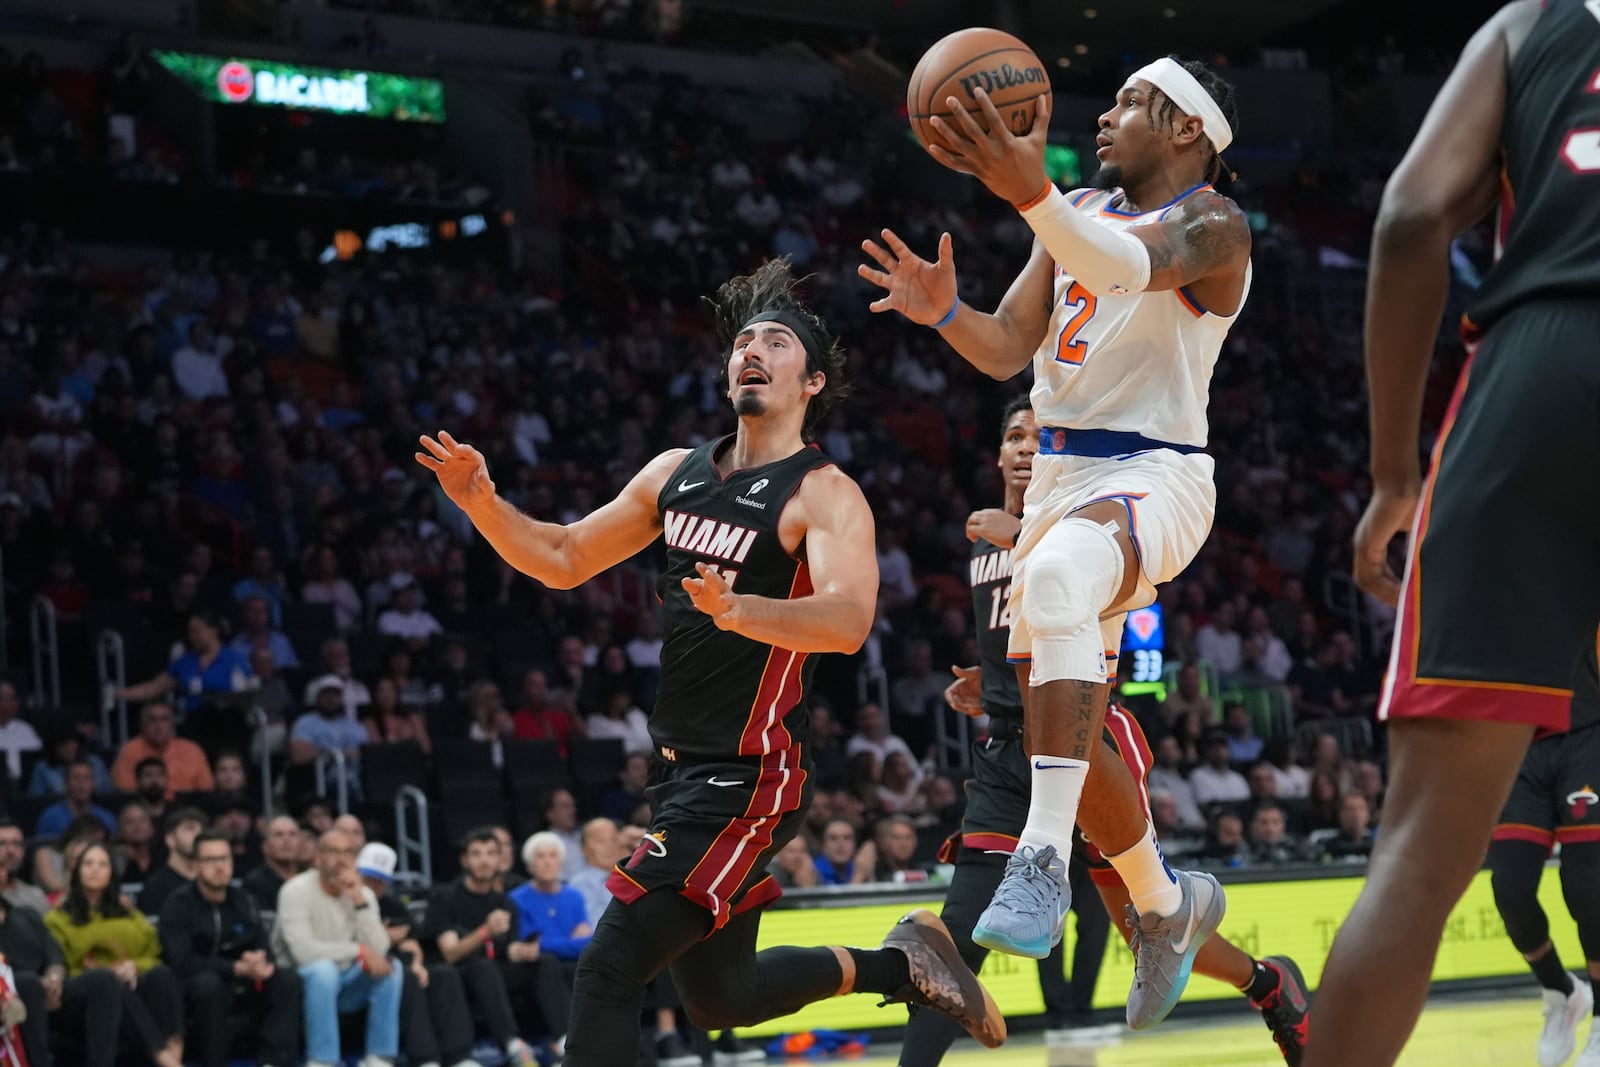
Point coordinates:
pixel 966 60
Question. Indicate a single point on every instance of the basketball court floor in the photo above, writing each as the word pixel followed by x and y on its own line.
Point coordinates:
pixel 1458 1031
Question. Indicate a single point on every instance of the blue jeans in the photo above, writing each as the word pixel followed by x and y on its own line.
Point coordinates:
pixel 330 992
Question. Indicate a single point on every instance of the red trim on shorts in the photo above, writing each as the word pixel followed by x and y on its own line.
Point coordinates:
pixel 760 895
pixel 623 887
pixel 1516 831
pixel 990 842
pixel 778 691
pixel 1408 696
pixel 1106 876
pixel 949 849
pixel 1134 750
pixel 1577 835
pixel 736 850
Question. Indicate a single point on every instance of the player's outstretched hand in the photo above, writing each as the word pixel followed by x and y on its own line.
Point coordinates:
pixel 712 595
pixel 462 470
pixel 1389 512
pixel 921 291
pixel 996 526
pixel 1011 166
pixel 965 694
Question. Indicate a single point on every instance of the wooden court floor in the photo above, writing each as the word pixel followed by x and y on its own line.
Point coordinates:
pixel 1457 1031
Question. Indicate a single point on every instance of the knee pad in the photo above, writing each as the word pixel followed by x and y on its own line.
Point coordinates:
pixel 1071 577
pixel 1515 868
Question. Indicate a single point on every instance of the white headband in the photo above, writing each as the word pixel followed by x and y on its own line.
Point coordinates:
pixel 1183 89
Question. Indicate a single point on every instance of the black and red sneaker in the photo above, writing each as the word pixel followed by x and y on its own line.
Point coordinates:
pixel 1286 1009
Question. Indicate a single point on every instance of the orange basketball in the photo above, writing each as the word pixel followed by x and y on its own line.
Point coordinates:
pixel 992 60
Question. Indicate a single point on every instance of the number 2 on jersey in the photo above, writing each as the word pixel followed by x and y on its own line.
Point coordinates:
pixel 1581 149
pixel 1080 303
pixel 1000 608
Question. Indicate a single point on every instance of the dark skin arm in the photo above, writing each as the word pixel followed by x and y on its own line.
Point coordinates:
pixel 1447 181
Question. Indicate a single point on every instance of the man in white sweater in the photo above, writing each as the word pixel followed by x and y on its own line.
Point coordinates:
pixel 330 931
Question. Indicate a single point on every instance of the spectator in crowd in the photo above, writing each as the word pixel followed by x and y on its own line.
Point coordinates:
pixel 1167 775
pixel 1322 809
pixel 228 776
pixel 827 742
pixel 840 862
pixel 1186 699
pixel 53 860
pixel 1243 744
pixel 561 819
pixel 13 890
pixel 407 619
pixel 206 668
pixel 328 585
pixel 792 867
pixel 602 850
pixel 548 910
pixel 390 723
pixel 236 822
pixel 17 735
pixel 270 693
pixel 336 661
pixel 79 800
pixel 436 1023
pixel 1214 781
pixel 151 786
pixel 64 746
pixel 619 717
pixel 895 837
pixel 470 924
pixel 1367 779
pixel 263 579
pixel 1294 781
pixel 181 827
pixel 1178 840
pixel 95 929
pixel 280 861
pixel 135 852
pixel 1270 841
pixel 1274 660
pixel 330 932
pixel 540 717
pixel 1225 845
pixel 506 878
pixel 916 696
pixel 1327 758
pixel 257 630
pixel 326 728
pixel 1316 687
pixel 89 1006
pixel 490 720
pixel 188 770
pixel 872 735
pixel 214 940
pixel 618 803
pixel 899 787
pixel 1354 840
pixel 1218 641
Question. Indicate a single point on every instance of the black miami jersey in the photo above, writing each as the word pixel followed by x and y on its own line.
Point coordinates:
pixel 990 577
pixel 722 694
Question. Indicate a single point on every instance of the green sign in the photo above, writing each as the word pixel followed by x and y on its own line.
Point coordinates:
pixel 264 83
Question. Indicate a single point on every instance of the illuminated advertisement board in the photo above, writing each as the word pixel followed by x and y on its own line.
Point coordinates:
pixel 264 83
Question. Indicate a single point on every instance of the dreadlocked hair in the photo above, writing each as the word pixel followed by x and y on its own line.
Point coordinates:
pixel 772 286
pixel 1222 93
pixel 1022 402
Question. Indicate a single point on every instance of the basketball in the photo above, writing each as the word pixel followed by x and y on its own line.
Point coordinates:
pixel 966 60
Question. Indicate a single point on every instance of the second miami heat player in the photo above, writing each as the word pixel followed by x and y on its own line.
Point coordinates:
pixel 770 562
pixel 1122 310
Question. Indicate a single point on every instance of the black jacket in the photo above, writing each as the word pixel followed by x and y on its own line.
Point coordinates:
pixel 199 936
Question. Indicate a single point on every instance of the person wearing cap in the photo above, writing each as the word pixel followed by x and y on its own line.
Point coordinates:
pixel 329 931
pixel 436 1018
pixel 325 728
pixel 188 770
pixel 213 938
pixel 471 926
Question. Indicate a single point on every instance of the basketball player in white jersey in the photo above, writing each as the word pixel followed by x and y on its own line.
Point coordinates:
pixel 1122 310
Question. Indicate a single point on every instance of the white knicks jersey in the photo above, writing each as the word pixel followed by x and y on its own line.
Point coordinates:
pixel 1136 362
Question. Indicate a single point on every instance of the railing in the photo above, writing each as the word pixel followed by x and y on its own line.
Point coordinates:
pixel 868 678
pixel 5 622
pixel 111 661
pixel 335 757
pixel 953 738
pixel 406 844
pixel 46 645
pixel 259 722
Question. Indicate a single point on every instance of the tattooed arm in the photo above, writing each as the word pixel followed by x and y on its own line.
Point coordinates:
pixel 1207 239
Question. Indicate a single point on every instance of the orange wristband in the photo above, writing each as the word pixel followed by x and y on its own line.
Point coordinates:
pixel 1037 199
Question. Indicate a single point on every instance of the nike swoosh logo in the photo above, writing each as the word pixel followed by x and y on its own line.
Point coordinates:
pixel 1181 947
pixel 1051 766
pixel 684 487
pixel 720 782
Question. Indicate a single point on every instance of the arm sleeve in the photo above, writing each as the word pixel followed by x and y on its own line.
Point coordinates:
pixel 1103 260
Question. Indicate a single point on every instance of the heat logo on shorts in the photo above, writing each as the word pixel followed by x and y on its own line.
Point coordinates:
pixel 1581 801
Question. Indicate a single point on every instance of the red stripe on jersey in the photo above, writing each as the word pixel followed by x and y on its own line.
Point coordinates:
pixel 741 844
pixel 779 689
pixel 1134 750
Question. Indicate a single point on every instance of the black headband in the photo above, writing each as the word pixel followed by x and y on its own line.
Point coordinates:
pixel 795 323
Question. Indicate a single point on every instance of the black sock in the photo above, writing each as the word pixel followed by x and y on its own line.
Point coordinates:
pixel 880 970
pixel 1547 969
pixel 1594 983
pixel 1263 980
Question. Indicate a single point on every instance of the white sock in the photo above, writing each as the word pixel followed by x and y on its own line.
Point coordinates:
pixel 1151 883
pixel 1057 785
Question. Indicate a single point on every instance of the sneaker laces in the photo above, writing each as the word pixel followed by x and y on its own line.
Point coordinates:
pixel 1036 884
